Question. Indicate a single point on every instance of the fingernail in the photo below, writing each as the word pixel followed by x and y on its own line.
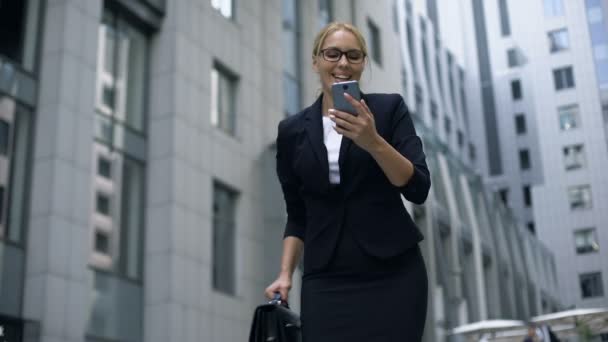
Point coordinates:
pixel 332 116
pixel 331 110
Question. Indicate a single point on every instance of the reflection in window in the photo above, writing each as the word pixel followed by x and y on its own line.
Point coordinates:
pixel 569 117
pixel 121 72
pixel 574 157
pixel 563 78
pixel 223 99
pixel 585 241
pixel 558 40
pixel 579 197
pixel 224 235
pixel 223 6
pixel 15 123
pixel 591 285
pixel 119 148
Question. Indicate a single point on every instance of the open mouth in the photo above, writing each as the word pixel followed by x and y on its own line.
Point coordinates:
pixel 341 78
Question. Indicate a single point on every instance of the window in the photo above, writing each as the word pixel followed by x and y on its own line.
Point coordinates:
pixel 117 221
pixel 1 203
pixel 460 138
pixel 224 234
pixel 425 55
pixel 472 152
pixel 574 157
pixel 433 110
pixel 524 159
pixel 527 196
pixel 563 78
pixel 4 138
pixel 418 97
pixel 558 40
pixel 325 12
pixel 12 17
pixel 554 8
pixel 531 227
pixel 374 39
pixel 516 90
pixel 569 117
pixel 223 6
pixel 447 123
pixel 104 167
pixel 520 124
pixel 513 58
pixel 585 241
pixel 102 204
pixel 579 197
pixel 591 285
pixel 504 196
pixel 15 121
pixel 505 27
pixel 223 99
pixel 102 242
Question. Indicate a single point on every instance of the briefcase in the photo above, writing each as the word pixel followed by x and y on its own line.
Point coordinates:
pixel 275 322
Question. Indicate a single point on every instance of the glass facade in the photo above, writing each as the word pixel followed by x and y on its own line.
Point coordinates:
pixel 119 172
pixel 19 25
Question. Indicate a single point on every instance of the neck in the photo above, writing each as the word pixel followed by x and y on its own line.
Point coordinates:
pixel 328 102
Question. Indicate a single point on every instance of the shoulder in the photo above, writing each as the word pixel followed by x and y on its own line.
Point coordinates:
pixel 388 102
pixel 291 124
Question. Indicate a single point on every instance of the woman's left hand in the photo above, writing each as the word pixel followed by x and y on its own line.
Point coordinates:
pixel 360 128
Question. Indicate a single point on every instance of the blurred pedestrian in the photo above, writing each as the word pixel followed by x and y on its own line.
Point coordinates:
pixel 342 177
pixel 532 336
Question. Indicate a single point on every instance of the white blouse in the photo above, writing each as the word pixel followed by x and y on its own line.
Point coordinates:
pixel 332 141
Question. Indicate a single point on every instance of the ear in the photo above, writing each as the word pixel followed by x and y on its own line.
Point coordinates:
pixel 315 65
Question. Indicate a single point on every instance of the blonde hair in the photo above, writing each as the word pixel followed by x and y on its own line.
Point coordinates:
pixel 333 27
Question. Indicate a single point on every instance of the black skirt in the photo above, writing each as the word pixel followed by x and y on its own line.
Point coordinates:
pixel 361 298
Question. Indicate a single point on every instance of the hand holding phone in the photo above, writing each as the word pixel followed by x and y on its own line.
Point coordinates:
pixel 340 102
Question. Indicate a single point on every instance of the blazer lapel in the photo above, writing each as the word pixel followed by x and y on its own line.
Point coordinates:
pixel 349 170
pixel 314 130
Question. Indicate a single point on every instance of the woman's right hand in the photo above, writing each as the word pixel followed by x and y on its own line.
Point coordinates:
pixel 281 285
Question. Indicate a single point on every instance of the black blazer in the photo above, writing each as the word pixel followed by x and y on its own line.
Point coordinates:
pixel 369 205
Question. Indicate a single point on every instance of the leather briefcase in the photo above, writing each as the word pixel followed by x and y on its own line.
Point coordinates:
pixel 275 322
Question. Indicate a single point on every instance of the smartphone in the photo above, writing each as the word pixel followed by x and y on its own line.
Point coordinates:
pixel 340 102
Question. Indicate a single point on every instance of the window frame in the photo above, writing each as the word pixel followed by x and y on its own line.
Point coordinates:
pixel 592 276
pixel 229 267
pixel 229 125
pixel 571 195
pixel 375 41
pixel 588 248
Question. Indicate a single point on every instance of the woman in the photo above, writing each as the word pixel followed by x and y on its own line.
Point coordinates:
pixel 342 177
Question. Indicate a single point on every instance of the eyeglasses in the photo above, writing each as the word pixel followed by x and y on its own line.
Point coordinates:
pixel 334 55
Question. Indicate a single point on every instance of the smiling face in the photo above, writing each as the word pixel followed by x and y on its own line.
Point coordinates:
pixel 341 70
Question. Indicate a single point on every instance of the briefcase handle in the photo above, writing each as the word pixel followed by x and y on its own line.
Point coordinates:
pixel 277 300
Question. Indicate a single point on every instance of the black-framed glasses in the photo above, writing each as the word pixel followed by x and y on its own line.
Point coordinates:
pixel 334 55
